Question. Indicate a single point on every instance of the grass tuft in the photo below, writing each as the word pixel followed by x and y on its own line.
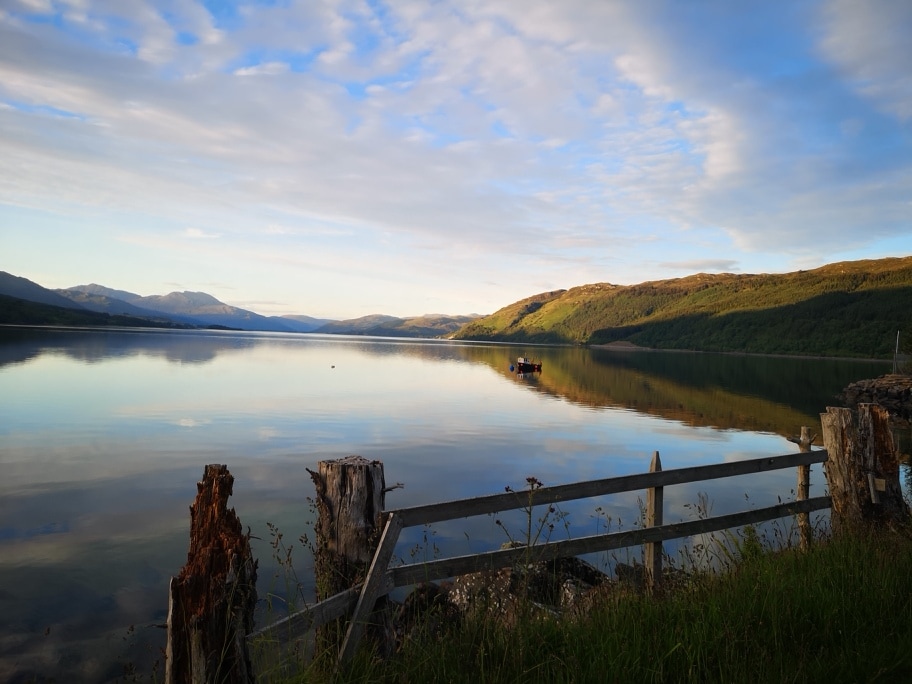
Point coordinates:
pixel 839 612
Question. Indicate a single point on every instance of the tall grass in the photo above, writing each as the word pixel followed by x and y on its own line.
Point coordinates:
pixel 840 612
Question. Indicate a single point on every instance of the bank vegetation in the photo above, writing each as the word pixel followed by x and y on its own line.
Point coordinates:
pixel 839 612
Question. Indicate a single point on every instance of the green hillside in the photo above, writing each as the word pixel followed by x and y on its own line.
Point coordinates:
pixel 843 309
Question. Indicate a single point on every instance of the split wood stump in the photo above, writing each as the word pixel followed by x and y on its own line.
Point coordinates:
pixel 862 468
pixel 351 494
pixel 211 603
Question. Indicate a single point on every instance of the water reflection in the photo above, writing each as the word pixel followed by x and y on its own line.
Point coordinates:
pixel 716 390
pixel 106 433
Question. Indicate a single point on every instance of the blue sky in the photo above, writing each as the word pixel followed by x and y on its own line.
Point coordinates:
pixel 342 158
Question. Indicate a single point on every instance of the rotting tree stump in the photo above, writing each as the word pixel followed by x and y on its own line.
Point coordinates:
pixel 350 499
pixel 211 603
pixel 862 468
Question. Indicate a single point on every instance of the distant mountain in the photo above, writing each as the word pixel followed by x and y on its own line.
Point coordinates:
pixel 208 310
pixel 108 304
pixel 94 289
pixel 378 325
pixel 430 325
pixel 356 326
pixel 193 308
pixel 843 309
pixel 304 324
pixel 16 311
pixel 198 309
pixel 189 303
pixel 22 288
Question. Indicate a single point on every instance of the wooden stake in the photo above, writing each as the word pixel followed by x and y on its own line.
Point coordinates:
pixel 350 501
pixel 652 551
pixel 211 603
pixel 804 488
pixel 376 577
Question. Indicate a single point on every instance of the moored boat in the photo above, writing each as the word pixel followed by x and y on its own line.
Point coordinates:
pixel 524 365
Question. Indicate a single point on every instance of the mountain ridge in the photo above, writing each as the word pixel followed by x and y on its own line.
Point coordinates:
pixel 196 309
pixel 849 308
pixel 95 289
pixel 842 309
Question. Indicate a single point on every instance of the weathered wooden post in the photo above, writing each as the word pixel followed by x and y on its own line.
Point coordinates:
pixel 350 500
pixel 211 603
pixel 804 442
pixel 862 467
pixel 652 551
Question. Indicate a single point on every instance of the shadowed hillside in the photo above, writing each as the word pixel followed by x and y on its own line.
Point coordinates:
pixel 845 309
pixel 14 311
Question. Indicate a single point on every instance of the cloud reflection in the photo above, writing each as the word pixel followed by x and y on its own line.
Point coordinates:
pixel 101 460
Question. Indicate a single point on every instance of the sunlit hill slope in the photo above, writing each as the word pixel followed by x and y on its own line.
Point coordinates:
pixel 843 309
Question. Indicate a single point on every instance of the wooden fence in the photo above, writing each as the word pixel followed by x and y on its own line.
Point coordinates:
pixel 381 579
pixel 211 602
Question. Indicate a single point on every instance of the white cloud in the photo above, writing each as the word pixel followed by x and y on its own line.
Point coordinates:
pixel 870 42
pixel 197 234
pixel 439 138
pixel 702 265
pixel 268 69
pixel 39 6
pixel 636 68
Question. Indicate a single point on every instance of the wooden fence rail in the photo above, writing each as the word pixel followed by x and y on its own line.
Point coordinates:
pixel 381 579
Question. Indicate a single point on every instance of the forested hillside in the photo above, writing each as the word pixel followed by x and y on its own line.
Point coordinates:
pixel 844 309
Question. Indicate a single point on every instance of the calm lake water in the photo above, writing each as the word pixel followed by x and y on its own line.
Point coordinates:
pixel 105 434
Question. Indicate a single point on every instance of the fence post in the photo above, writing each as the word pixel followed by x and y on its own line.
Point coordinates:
pixel 652 551
pixel 805 532
pixel 372 585
pixel 862 468
pixel 211 602
pixel 350 501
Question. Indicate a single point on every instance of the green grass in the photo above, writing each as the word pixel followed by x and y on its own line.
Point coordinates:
pixel 841 612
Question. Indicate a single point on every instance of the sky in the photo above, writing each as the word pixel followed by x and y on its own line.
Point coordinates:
pixel 339 158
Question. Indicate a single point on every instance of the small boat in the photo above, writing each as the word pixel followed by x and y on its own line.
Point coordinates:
pixel 524 365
